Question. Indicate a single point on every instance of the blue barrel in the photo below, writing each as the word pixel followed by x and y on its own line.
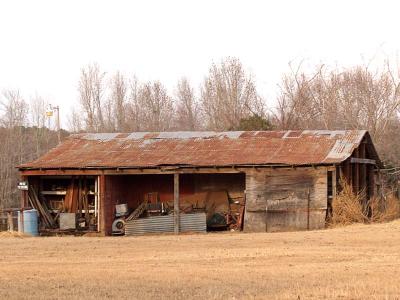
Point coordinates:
pixel 30 222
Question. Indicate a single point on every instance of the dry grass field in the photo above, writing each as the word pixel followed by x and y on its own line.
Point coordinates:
pixel 355 262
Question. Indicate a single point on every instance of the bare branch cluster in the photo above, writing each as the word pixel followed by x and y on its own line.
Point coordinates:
pixel 227 95
pixel 354 98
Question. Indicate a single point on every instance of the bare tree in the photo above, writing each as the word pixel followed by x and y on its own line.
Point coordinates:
pixel 14 109
pixel 118 100
pixel 229 95
pixel 13 119
pixel 133 109
pixel 75 121
pixel 354 98
pixel 91 89
pixel 296 106
pixel 37 112
pixel 38 119
pixel 187 108
pixel 155 107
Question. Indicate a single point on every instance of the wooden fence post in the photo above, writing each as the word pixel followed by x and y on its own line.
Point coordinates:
pixel 10 222
pixel 21 221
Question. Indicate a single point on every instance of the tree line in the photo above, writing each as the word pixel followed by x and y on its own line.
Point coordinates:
pixel 25 135
pixel 359 97
pixel 116 103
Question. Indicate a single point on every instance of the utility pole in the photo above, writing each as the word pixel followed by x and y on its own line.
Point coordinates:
pixel 49 113
pixel 58 123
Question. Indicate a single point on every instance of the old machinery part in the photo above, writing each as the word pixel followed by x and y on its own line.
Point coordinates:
pixel 118 227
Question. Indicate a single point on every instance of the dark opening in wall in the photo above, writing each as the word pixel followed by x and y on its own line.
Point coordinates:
pixel 329 194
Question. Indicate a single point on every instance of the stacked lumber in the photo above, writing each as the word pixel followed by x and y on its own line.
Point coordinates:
pixel 42 208
pixel 70 197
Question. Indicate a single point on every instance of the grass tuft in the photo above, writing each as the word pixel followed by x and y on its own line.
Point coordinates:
pixel 348 208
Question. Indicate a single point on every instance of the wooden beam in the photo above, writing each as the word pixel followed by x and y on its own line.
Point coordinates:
pixel 176 203
pixel 356 160
pixel 141 170
pixel 123 171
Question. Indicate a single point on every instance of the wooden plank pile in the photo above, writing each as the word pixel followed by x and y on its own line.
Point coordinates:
pixel 42 209
pixel 71 197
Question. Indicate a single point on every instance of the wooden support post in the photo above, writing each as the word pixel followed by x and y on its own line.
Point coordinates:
pixel 308 209
pixel 21 221
pixel 176 203
pixel 348 172
pixel 24 197
pixel 24 200
pixel 334 182
pixel 356 178
pixel 101 204
pixel 371 182
pixel 10 221
pixel 340 173
pixel 363 173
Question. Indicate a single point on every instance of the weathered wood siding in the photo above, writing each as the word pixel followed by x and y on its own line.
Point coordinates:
pixel 285 199
pixel 234 184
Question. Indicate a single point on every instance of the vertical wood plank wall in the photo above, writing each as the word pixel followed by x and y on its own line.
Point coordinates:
pixel 285 199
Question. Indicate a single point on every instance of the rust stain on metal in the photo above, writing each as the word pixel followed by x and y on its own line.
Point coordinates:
pixel 203 148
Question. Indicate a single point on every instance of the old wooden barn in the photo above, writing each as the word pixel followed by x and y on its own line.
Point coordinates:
pixel 243 180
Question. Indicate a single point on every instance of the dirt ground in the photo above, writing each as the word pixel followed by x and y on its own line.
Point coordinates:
pixel 355 262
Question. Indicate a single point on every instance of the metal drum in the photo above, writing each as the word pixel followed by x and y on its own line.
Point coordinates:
pixel 30 222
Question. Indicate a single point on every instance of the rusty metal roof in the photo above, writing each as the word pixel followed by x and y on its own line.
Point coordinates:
pixel 203 148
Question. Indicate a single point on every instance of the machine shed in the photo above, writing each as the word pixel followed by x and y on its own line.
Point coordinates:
pixel 168 181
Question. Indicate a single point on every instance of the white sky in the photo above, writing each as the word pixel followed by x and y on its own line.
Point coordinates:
pixel 44 44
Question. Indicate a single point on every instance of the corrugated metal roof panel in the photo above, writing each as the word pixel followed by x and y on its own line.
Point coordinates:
pixel 203 148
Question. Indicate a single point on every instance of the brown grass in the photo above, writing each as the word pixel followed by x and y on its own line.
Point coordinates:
pixel 353 262
pixel 385 209
pixel 348 208
pixel 12 234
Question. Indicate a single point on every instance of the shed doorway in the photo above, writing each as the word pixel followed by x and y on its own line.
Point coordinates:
pixel 65 203
pixel 220 197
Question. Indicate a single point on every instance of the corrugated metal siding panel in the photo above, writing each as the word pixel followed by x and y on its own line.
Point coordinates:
pixel 165 224
pixel 143 149
pixel 193 222
pixel 156 224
